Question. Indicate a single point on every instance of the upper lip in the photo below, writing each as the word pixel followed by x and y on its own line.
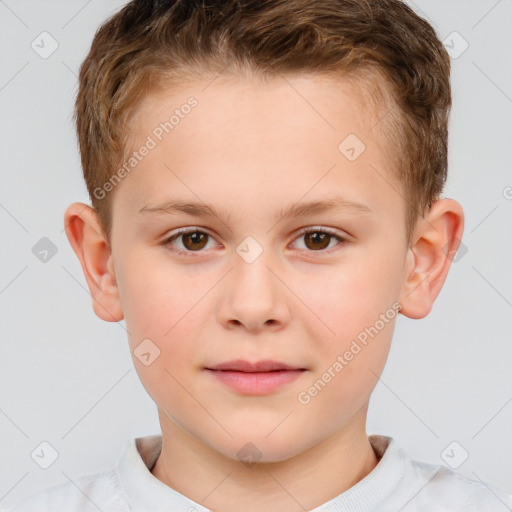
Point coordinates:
pixel 240 365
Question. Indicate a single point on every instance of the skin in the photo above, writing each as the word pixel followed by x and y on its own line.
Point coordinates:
pixel 250 149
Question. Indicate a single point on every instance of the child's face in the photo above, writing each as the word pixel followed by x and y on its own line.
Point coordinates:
pixel 250 151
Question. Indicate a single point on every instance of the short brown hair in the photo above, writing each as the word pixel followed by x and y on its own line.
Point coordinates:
pixel 149 45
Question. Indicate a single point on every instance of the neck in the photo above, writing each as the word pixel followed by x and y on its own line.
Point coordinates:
pixel 305 481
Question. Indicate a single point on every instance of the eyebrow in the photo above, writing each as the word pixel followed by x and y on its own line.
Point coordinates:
pixel 294 210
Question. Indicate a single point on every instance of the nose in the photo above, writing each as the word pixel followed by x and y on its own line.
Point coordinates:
pixel 254 296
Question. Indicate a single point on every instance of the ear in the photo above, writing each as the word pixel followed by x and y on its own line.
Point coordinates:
pixel 86 236
pixel 435 241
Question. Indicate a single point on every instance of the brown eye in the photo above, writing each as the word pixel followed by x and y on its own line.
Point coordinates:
pixel 195 240
pixel 187 241
pixel 317 240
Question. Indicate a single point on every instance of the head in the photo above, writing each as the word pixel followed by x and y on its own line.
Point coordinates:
pixel 258 112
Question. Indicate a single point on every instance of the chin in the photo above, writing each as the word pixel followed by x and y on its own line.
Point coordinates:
pixel 259 448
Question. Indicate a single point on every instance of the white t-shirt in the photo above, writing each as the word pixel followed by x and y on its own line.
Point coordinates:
pixel 397 483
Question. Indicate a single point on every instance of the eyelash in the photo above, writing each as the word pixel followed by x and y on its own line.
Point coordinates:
pixel 305 231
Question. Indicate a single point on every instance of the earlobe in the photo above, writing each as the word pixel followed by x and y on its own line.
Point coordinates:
pixel 434 244
pixel 86 237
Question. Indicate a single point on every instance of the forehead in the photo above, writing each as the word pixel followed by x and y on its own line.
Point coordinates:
pixel 319 101
pixel 288 135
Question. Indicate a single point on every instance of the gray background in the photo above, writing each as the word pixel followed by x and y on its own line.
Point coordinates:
pixel 67 377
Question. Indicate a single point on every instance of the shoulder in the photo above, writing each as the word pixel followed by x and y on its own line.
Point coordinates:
pixel 439 488
pixel 88 493
pixel 414 486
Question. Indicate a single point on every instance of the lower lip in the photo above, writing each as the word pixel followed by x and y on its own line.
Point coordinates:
pixel 256 383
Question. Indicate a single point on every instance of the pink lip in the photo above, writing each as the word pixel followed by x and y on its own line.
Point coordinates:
pixel 258 378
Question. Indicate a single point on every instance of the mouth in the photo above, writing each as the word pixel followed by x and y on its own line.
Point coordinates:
pixel 239 365
pixel 259 378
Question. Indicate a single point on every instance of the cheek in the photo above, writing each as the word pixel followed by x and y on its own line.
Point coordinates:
pixel 352 320
pixel 348 371
pixel 164 308
pixel 153 297
pixel 343 300
pixel 169 340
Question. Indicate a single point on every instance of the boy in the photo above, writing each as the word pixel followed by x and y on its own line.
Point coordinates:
pixel 265 180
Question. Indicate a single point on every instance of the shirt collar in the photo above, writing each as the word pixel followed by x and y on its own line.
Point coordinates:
pixel 377 485
pixel 146 493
